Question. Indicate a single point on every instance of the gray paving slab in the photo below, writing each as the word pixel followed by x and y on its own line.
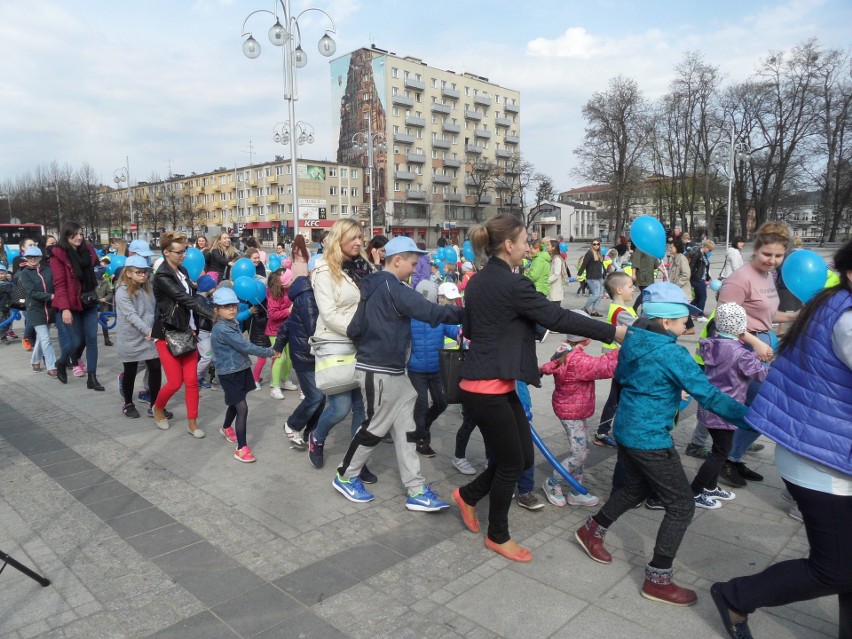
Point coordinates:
pixel 140 521
pixel 204 625
pixel 252 612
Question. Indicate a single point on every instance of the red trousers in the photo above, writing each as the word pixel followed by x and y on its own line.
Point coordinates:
pixel 179 371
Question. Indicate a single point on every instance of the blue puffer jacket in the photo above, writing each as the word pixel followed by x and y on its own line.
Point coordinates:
pixel 806 400
pixel 300 326
pixel 426 341
pixel 653 370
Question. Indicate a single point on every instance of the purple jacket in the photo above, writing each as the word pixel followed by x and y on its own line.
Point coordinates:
pixel 729 367
pixel 422 271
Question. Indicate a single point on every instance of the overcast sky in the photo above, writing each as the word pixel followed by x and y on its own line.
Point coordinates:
pixel 165 82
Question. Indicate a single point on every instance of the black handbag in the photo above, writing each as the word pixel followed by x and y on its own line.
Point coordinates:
pixel 19 296
pixel 180 342
pixel 89 299
pixel 451 361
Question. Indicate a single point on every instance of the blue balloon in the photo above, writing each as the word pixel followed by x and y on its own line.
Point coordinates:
pixel 274 262
pixel 244 287
pixel 259 292
pixel 804 274
pixel 649 236
pixel 12 254
pixel 604 250
pixel 563 247
pixel 193 262
pixel 715 285
pixel 467 251
pixel 243 267
pixel 559 468
pixel 100 252
pixel 449 254
pixel 117 262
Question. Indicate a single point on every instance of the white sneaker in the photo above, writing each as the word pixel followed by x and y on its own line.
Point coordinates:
pixel 700 318
pixel 301 395
pixel 277 393
pixel 288 385
pixel 295 437
pixel 258 386
pixel 553 492
pixel 581 500
pixel 462 465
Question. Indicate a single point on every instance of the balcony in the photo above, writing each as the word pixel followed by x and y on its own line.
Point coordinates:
pixel 514 201
pixel 451 128
pixel 452 197
pixel 482 99
pixel 410 120
pixel 441 144
pixel 402 100
pixel 511 108
pixel 403 138
pixel 411 83
pixel 415 195
pixel 506 122
pixel 472 148
pixel 217 188
pixel 473 115
pixel 272 199
pixel 272 179
pixel 511 170
pixel 408 176
pixel 448 92
pixel 485 134
pixel 452 162
pixel 252 201
pixel 485 199
pixel 417 158
pixel 442 179
pixel 512 139
pixel 437 107
pixel 503 153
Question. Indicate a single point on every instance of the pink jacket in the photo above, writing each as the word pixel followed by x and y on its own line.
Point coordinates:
pixel 574 393
pixel 278 311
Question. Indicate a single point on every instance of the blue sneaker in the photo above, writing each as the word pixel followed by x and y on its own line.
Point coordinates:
pixel 144 396
pixel 426 501
pixel 202 383
pixel 121 384
pixel 352 489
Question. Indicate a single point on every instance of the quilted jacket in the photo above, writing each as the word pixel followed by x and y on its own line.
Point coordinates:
pixel 426 341
pixel 574 394
pixel 729 366
pixel 300 326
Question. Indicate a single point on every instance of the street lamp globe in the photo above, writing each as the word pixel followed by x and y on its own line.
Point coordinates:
pixel 300 58
pixel 327 46
pixel 251 48
pixel 277 34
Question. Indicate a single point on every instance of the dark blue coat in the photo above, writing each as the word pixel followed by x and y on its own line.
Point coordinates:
pixel 300 326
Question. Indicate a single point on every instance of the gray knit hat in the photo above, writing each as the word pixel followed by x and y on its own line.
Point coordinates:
pixel 731 319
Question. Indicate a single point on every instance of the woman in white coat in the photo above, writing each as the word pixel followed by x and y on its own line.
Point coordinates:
pixel 558 274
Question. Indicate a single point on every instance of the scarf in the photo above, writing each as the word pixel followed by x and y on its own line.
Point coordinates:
pixel 81 262
pixel 357 269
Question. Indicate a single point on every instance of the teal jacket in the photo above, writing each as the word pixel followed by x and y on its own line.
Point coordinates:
pixel 653 370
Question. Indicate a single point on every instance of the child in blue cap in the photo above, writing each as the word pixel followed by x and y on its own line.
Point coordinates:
pixel 653 370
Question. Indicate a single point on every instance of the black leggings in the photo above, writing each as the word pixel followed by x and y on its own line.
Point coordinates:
pixel 708 475
pixel 155 378
pixel 240 412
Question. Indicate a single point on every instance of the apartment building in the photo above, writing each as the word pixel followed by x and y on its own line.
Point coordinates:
pixel 250 200
pixel 451 142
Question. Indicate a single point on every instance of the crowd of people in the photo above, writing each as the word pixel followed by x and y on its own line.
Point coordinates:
pixel 361 325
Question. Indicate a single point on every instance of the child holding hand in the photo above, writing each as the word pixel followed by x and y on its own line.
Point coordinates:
pixel 574 372
pixel 233 369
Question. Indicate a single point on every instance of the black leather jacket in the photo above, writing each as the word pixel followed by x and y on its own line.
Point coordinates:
pixel 173 302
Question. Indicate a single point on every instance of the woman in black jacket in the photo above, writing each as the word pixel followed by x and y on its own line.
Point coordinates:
pixel 176 304
pixel 221 257
pixel 592 266
pixel 501 311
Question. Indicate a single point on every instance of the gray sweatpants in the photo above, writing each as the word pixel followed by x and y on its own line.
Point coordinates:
pixel 389 404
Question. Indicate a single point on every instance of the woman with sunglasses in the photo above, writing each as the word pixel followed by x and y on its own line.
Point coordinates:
pixel 174 292
pixel 135 308
pixel 592 266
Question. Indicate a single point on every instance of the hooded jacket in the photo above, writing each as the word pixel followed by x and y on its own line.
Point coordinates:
pixel 653 370
pixel 539 272
pixel 38 283
pixel 66 287
pixel 574 393
pixel 729 366
pixel 426 341
pixel 381 327
pixel 300 326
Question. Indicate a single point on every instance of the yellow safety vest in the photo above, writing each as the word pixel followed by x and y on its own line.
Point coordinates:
pixel 613 308
pixel 704 333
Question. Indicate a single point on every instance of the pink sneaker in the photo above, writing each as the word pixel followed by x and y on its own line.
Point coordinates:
pixel 79 371
pixel 229 434
pixel 82 364
pixel 244 455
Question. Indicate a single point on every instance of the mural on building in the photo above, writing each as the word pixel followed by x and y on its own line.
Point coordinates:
pixel 358 83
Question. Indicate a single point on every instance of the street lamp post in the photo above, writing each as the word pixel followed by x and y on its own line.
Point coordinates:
pixel 120 176
pixel 738 149
pixel 301 133
pixel 288 37
pixel 369 142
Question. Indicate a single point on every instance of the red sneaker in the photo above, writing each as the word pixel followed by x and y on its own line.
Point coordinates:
pixel 27 344
pixel 591 538
pixel 244 455
pixel 229 434
pixel 659 586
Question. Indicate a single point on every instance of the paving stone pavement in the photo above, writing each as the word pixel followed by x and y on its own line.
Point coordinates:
pixel 148 533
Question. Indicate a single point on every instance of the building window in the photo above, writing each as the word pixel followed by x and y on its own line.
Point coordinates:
pixel 396 186
pixel 344 191
pixel 344 209
pixel 332 171
pixel 354 174
pixel 333 209
pixel 394 72
pixel 344 173
pixel 332 190
pixel 354 191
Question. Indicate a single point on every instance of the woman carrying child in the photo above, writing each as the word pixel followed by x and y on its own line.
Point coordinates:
pixel 135 309
pixel 574 373
pixel 233 369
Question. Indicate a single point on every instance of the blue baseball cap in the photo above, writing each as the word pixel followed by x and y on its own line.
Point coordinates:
pixel 402 244
pixel 140 247
pixel 225 296
pixel 137 261
pixel 32 251
pixel 666 300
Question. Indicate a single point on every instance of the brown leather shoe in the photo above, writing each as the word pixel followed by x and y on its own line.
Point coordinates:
pixel 659 586
pixel 591 538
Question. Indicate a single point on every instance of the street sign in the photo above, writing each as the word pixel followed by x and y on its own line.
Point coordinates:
pixel 134 228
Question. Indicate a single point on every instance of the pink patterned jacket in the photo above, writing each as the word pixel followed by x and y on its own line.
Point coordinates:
pixel 574 393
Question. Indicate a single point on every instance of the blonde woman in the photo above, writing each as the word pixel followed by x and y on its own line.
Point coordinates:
pixel 558 274
pixel 336 281
pixel 221 256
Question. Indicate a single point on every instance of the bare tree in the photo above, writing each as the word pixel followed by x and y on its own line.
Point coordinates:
pixel 617 135
pixel 479 180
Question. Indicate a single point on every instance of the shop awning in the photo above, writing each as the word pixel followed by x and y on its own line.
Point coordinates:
pixel 261 225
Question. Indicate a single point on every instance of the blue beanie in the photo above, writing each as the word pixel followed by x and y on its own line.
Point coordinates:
pixel 206 283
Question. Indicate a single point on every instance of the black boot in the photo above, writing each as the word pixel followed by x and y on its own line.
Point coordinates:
pixel 92 383
pixel 61 372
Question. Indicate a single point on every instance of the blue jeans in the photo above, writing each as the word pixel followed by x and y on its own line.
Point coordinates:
pixel 595 294
pixel 337 407
pixel 83 329
pixel 743 438
pixel 308 412
pixel 43 347
pixel 427 384
pixel 700 288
